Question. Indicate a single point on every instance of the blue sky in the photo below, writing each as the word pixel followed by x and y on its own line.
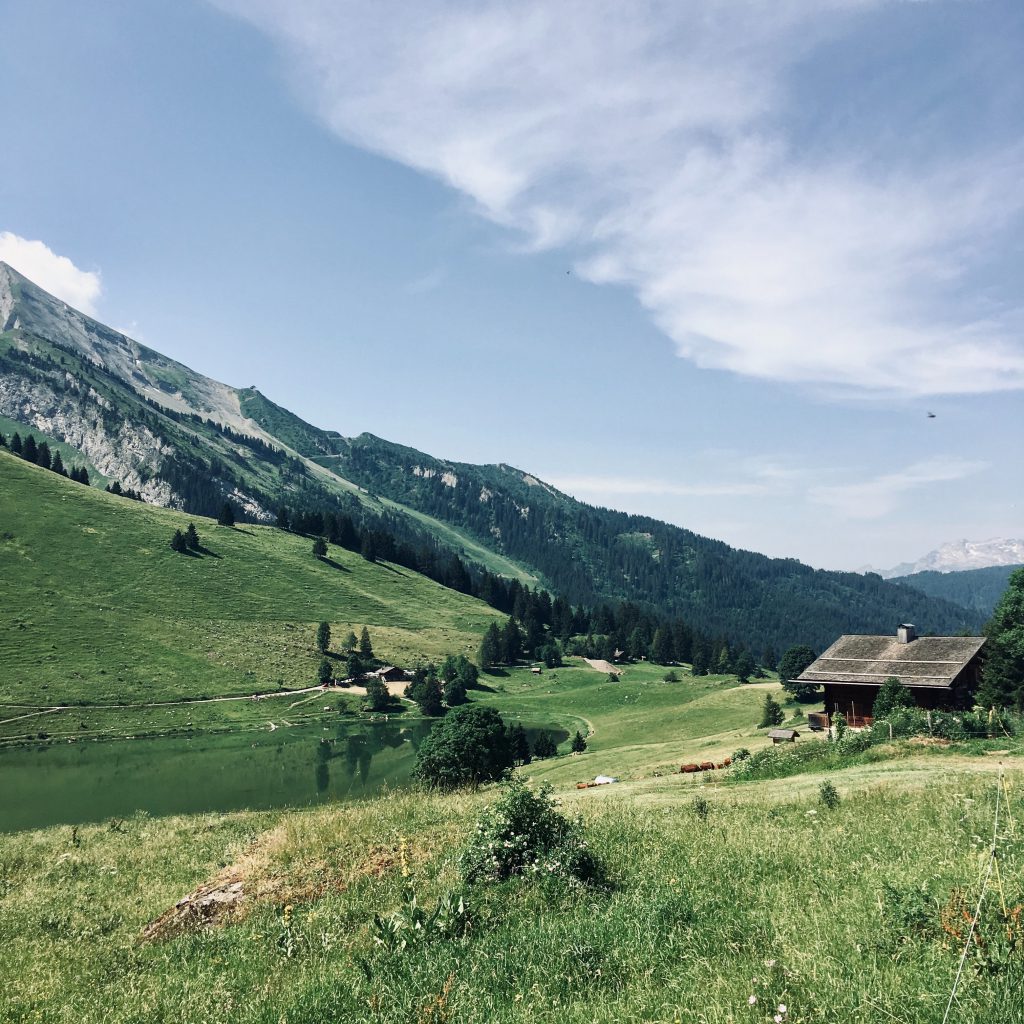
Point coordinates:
pixel 711 262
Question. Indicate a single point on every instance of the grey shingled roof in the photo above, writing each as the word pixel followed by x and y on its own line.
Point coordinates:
pixel 926 661
pixel 782 734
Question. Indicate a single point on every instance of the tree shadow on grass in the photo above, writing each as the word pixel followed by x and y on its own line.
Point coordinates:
pixel 334 565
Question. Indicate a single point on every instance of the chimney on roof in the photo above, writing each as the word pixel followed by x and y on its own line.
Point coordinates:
pixel 906 633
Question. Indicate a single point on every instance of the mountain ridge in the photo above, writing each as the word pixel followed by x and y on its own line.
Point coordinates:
pixel 963 555
pixel 186 441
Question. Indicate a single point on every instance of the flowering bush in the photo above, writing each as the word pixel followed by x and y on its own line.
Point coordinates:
pixel 524 834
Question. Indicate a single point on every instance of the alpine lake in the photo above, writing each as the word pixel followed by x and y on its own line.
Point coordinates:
pixel 61 782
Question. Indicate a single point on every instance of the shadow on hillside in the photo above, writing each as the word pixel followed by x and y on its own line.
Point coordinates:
pixel 206 552
pixel 334 565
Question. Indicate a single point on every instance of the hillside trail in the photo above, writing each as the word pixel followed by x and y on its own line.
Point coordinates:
pixel 395 689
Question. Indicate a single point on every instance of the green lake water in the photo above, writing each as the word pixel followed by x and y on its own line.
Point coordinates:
pixel 72 783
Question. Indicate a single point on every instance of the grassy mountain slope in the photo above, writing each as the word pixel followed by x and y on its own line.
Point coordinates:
pixel 187 441
pixel 99 609
pixel 978 589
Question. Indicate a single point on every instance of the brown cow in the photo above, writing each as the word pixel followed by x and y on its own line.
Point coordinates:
pixel 707 766
pixel 689 768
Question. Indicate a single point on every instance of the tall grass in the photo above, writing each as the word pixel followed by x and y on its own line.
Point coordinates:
pixel 838 915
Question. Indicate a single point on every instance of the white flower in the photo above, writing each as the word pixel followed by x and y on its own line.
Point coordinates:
pixel 782 1007
pixel 751 1000
pixel 777 1018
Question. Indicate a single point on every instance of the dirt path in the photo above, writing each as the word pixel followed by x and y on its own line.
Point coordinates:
pixel 604 666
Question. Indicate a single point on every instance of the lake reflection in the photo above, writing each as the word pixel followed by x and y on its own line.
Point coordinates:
pixel 85 781
pixel 68 783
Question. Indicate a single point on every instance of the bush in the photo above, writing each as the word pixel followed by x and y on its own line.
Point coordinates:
pixel 740 755
pixel 469 746
pixel 701 807
pixel 671 676
pixel 524 834
pixel 829 795
pixel 891 696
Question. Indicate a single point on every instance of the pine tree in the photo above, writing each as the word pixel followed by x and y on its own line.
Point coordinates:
pixel 490 647
pixel 772 713
pixel 3 440
pixel 350 644
pixel 325 673
pixel 662 648
pixel 320 548
pixel 178 542
pixel 367 549
pixel 226 516
pixel 1003 672
pixel 579 744
pixel 192 538
pixel 511 643
pixel 520 744
pixel 57 465
pixel 544 746
pixel 29 451
pixel 43 456
pixel 323 637
pixel 365 647
pixel 16 446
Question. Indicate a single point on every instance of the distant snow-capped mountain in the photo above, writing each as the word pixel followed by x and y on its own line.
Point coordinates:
pixel 963 554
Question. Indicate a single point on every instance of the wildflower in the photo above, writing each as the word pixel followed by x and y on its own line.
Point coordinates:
pixel 782 1007
pixel 752 1000
pixel 771 963
pixel 777 1018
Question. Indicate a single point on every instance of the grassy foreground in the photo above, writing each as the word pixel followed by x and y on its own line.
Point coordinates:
pixel 836 914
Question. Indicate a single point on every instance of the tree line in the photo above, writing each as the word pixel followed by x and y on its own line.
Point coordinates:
pixel 39 454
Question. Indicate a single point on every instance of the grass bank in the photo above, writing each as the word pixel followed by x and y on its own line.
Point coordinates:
pixel 844 916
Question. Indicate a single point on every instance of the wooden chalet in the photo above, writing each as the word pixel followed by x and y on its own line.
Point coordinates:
pixel 783 735
pixel 390 674
pixel 941 672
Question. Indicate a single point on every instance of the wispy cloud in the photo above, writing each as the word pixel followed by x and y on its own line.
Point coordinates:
pixel 880 495
pixel 655 140
pixel 428 282
pixel 601 486
pixel 57 274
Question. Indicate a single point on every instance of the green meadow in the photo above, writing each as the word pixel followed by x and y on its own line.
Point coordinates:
pixel 850 915
pixel 724 901
pixel 99 610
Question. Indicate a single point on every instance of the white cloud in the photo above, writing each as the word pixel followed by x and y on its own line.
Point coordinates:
pixel 584 486
pixel 879 496
pixel 56 274
pixel 651 138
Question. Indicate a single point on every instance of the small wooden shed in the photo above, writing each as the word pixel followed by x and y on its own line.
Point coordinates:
pixel 783 735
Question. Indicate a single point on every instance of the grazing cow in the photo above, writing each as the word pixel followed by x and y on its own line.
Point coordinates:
pixel 707 766
pixel 689 768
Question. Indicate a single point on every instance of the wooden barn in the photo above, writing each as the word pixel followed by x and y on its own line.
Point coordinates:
pixel 940 671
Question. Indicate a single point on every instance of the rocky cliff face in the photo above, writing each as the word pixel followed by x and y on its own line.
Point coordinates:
pixel 74 414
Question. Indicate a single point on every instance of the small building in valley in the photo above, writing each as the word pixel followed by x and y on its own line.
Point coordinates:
pixel 390 674
pixel 783 735
pixel 941 672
